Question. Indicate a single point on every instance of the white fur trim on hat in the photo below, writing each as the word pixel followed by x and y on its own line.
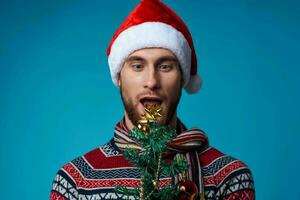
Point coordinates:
pixel 149 34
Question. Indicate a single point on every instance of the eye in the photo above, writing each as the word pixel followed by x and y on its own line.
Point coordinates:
pixel 137 67
pixel 165 67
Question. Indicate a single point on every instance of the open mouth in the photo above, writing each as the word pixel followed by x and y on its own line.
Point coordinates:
pixel 147 101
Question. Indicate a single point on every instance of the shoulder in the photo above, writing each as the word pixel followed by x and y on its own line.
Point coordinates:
pixel 225 174
pixel 77 174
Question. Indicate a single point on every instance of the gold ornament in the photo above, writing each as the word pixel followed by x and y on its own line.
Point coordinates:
pixel 151 114
pixel 202 196
pixel 154 183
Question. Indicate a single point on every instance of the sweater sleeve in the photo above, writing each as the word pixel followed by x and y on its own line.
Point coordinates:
pixel 63 187
pixel 238 185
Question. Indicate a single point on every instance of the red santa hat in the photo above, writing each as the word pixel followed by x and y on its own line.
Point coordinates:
pixel 153 24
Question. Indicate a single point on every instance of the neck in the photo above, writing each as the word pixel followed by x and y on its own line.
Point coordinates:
pixel 130 125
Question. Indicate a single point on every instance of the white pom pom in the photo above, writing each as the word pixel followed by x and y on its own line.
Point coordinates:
pixel 194 84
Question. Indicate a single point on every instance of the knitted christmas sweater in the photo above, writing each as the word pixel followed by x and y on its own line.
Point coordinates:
pixel 94 175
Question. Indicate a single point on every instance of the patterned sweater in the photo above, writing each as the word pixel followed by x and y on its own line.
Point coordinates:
pixel 95 174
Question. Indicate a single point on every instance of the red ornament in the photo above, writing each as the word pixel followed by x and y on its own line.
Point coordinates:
pixel 188 190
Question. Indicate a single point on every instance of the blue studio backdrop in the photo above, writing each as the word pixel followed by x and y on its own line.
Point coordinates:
pixel 57 100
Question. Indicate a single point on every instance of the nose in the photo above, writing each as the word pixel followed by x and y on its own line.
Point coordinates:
pixel 152 79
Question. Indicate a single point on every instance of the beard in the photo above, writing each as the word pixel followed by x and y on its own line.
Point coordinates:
pixel 167 113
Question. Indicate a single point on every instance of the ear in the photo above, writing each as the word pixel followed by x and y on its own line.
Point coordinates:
pixel 119 80
pixel 182 82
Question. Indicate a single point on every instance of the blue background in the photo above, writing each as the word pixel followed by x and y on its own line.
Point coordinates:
pixel 57 100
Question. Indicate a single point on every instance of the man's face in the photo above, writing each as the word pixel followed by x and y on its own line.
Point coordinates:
pixel 151 76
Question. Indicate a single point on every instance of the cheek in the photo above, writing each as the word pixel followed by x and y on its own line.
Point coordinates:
pixel 131 79
pixel 173 82
pixel 172 89
pixel 129 89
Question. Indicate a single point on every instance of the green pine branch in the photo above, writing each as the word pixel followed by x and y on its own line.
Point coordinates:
pixel 153 144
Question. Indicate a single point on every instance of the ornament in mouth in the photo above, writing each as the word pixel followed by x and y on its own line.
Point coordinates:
pixel 152 112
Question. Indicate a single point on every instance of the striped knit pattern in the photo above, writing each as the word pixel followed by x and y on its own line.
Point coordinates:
pixel 95 174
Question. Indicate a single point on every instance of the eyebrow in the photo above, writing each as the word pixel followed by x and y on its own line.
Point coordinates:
pixel 162 59
pixel 167 58
pixel 134 58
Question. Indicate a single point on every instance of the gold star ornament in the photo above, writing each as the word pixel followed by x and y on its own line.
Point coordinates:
pixel 152 112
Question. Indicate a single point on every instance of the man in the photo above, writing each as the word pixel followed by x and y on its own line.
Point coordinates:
pixel 152 58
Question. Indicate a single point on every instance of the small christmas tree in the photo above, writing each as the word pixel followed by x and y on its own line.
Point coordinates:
pixel 153 138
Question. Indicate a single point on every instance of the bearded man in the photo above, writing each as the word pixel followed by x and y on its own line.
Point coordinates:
pixel 152 58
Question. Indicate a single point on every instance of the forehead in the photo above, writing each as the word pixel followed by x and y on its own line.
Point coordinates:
pixel 152 54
